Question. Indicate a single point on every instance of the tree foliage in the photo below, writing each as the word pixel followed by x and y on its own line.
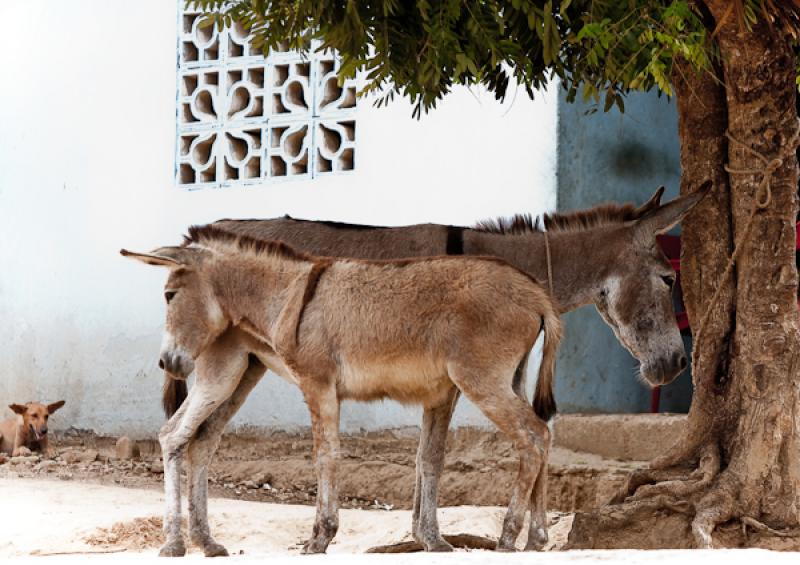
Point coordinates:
pixel 600 49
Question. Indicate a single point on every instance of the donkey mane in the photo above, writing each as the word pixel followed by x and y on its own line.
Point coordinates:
pixel 603 215
pixel 513 225
pixel 212 234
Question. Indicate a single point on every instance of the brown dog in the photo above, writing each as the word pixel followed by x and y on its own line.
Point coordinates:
pixel 27 432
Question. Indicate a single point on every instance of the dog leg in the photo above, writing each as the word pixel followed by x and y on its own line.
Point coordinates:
pixel 20 439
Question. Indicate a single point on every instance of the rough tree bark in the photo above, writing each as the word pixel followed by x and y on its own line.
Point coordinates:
pixel 738 464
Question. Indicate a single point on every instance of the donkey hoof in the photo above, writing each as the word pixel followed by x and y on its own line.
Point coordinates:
pixel 438 545
pixel 505 547
pixel 173 549
pixel 215 549
pixel 313 546
pixel 537 540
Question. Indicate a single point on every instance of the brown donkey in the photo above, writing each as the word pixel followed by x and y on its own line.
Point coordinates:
pixel 607 256
pixel 415 331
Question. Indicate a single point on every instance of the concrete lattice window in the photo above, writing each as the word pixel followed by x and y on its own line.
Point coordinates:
pixel 248 119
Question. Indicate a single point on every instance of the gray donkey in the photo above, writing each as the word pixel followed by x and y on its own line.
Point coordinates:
pixel 607 256
pixel 414 330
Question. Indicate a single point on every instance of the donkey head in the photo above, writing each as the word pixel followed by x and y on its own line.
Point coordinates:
pixel 635 299
pixel 194 316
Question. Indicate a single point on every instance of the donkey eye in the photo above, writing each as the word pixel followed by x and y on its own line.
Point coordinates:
pixel 668 280
pixel 169 295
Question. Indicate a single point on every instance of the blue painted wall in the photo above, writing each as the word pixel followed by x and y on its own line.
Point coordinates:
pixel 612 157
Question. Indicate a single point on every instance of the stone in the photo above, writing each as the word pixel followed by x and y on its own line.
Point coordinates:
pixel 80 456
pixel 46 465
pixel 25 460
pixel 127 449
pixel 157 467
pixel 625 437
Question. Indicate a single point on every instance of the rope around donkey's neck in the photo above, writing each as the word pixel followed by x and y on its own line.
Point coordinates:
pixel 763 198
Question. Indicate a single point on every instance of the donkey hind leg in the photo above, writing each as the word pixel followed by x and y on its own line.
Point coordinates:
pixel 537 530
pixel 218 373
pixel 323 403
pixel 430 462
pixel 514 417
pixel 202 449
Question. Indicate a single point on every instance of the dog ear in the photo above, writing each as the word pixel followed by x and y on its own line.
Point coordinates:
pixel 55 406
pixel 18 408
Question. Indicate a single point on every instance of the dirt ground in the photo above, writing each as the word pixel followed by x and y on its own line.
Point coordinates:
pixel 56 517
pixel 376 470
pixel 74 522
pixel 85 500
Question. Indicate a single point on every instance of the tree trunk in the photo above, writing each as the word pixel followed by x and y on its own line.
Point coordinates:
pixel 739 461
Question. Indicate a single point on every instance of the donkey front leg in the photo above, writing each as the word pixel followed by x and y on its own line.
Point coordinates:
pixel 172 487
pixel 430 462
pixel 218 373
pixel 202 449
pixel 323 403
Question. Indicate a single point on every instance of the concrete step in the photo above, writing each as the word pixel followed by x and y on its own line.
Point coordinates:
pixel 626 437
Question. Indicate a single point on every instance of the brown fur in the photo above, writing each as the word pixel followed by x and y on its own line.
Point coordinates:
pixel 413 330
pixel 173 394
pixel 516 224
pixel 544 401
pixel 211 234
pixel 27 431
pixel 599 216
pixel 588 264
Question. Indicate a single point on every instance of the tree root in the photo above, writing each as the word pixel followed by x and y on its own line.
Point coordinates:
pixel 694 440
pixel 678 483
pixel 655 523
pixel 646 477
pixel 761 527
pixel 463 541
pixel 695 502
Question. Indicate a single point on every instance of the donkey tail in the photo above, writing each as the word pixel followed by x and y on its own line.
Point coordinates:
pixel 174 393
pixel 544 403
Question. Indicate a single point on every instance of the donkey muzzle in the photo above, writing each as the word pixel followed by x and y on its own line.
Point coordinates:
pixel 176 364
pixel 666 369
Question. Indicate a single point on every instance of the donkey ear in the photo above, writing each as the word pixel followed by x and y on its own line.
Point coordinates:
pixel 653 203
pixel 665 217
pixel 55 406
pixel 18 408
pixel 151 258
pixel 171 257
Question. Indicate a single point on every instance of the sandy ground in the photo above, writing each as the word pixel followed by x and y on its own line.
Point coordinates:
pixel 70 519
pixel 66 516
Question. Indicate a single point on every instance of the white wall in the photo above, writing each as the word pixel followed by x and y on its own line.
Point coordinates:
pixel 87 138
